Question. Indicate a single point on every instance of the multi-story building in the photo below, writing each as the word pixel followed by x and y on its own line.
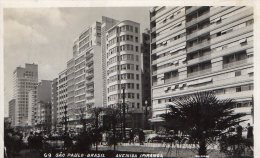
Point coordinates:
pixel 84 72
pixel 24 80
pixel 12 111
pixel 42 109
pixel 202 48
pixel 62 95
pixel 54 102
pixel 124 69
pixel 32 102
pixel 106 24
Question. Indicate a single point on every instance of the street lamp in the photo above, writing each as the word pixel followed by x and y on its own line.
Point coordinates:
pixel 123 88
pixel 146 102
pixel 65 117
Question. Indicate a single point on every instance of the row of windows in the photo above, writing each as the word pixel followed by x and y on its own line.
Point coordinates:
pixel 128 105
pixel 122 38
pixel 124 76
pixel 120 96
pixel 122 29
pixel 123 57
pixel 122 67
pixel 126 47
pixel 127 86
pixel 171 40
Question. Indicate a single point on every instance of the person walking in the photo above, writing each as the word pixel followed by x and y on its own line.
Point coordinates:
pixel 131 137
pixel 249 131
pixel 239 130
pixel 141 137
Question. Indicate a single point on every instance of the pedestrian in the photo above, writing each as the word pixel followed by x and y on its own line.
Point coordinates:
pixel 141 137
pixel 239 130
pixel 131 137
pixel 249 131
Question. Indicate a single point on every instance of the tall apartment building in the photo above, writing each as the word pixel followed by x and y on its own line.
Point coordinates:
pixel 202 48
pixel 54 102
pixel 84 74
pixel 106 24
pixel 25 79
pixel 62 94
pixel 12 111
pixel 124 68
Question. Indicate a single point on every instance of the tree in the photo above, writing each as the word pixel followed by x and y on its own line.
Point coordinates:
pixel 95 114
pixel 114 119
pixel 203 117
pixel 82 115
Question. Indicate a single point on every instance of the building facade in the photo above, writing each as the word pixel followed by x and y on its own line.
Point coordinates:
pixel 202 48
pixel 62 94
pixel 84 75
pixel 106 24
pixel 12 111
pixel 54 102
pixel 124 69
pixel 25 79
pixel 42 109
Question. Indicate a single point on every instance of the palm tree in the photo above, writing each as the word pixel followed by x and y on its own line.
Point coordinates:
pixel 203 117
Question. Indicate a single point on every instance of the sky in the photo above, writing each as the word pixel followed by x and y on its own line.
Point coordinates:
pixel 45 36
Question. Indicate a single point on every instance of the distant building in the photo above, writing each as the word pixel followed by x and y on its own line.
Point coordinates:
pixel 54 102
pixel 25 79
pixel 202 48
pixel 42 109
pixel 12 111
pixel 62 94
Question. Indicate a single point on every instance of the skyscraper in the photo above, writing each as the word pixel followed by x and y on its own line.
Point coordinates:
pixel 84 75
pixel 124 69
pixel 25 79
pixel 202 48
pixel 54 102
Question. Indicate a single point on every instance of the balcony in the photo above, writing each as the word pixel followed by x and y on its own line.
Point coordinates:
pixel 199 59
pixel 201 72
pixel 153 29
pixel 237 63
pixel 173 79
pixel 199 32
pixel 153 18
pixel 192 9
pixel 154 72
pixel 198 19
pixel 198 46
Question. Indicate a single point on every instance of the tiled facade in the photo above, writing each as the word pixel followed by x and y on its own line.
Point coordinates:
pixel 202 48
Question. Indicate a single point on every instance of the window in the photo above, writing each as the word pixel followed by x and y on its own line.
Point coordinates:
pixel 136 30
pixel 137 76
pixel 136 39
pixel 138 105
pixel 137 96
pixel 136 48
pixel 238 73
pixel 159 101
pixel 137 67
pixel 137 58
pixel 137 86
pixel 238 89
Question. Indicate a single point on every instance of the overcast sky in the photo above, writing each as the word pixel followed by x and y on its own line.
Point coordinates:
pixel 45 36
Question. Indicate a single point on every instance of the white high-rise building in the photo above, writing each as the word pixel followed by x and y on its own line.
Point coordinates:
pixel 25 79
pixel 202 48
pixel 124 69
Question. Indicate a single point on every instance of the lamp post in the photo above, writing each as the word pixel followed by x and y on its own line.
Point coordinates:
pixel 145 125
pixel 123 88
pixel 65 117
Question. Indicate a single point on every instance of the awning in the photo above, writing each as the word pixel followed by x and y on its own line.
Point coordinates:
pixel 179 48
pixel 181 85
pixel 167 88
pixel 173 87
pixel 218 19
pixel 242 40
pixel 199 81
